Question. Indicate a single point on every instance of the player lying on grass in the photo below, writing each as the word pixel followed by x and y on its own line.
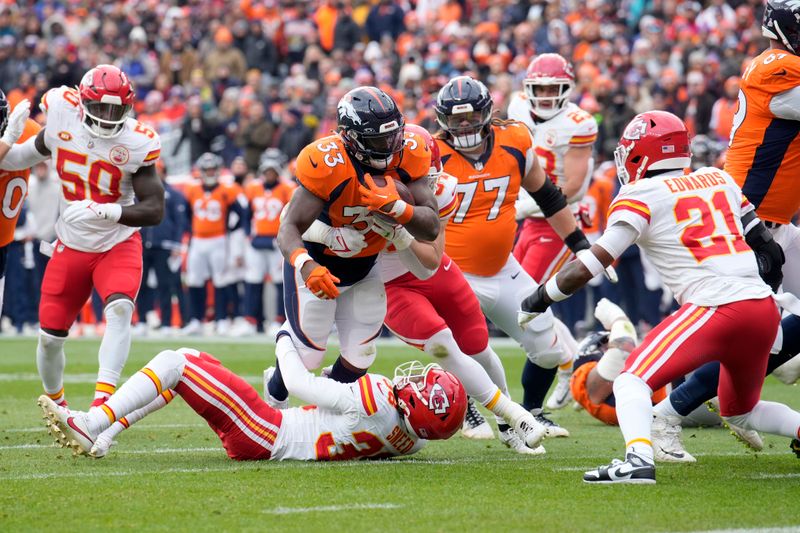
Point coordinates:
pixel 600 359
pixel 698 230
pixel 371 418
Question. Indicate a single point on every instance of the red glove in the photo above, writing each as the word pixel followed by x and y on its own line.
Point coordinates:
pixel 321 282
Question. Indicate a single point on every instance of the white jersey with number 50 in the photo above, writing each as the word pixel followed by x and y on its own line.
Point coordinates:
pixel 572 127
pixel 94 168
pixel 690 228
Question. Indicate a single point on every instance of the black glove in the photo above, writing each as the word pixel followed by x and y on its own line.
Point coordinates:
pixel 535 303
pixel 769 255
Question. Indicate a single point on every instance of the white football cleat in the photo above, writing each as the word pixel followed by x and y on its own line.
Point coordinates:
pixel 748 437
pixel 102 444
pixel 271 401
pixel 223 327
pixel 67 426
pixel 530 431
pixel 562 394
pixel 475 425
pixel 552 429
pixel 511 439
pixel 788 372
pixel 193 328
pixel 667 444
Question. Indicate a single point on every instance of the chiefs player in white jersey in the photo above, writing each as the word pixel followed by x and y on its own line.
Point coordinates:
pixel 563 138
pixel 431 306
pixel 105 160
pixel 371 418
pixel 698 230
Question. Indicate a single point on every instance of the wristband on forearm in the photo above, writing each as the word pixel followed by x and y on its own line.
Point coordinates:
pixel 401 211
pixel 577 241
pixel 299 258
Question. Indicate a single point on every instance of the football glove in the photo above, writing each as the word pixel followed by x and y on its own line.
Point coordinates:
pixel 607 312
pixel 769 255
pixel 532 306
pixel 89 210
pixel 322 283
pixel 394 233
pixel 16 123
pixel 378 199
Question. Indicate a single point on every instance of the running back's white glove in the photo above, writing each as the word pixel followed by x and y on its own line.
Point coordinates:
pixel 394 233
pixel 89 210
pixel 607 312
pixel 344 241
pixel 16 123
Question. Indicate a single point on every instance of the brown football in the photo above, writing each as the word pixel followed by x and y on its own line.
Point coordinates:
pixel 402 190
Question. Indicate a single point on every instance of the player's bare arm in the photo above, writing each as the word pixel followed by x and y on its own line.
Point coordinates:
pixel 576 166
pixel 429 253
pixel 149 210
pixel 551 200
pixel 424 224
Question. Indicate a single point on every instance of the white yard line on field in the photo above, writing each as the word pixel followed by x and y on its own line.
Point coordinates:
pixel 38 429
pixel 775 476
pixel 784 529
pixel 331 508
pixel 89 378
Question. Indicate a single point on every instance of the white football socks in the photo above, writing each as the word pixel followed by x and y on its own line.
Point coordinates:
pixel 114 347
pixel 635 414
pixel 770 417
pixel 50 360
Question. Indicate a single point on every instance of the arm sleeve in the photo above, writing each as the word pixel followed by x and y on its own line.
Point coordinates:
pixel 617 238
pixel 22 156
pixel 786 104
pixel 413 264
pixel 322 392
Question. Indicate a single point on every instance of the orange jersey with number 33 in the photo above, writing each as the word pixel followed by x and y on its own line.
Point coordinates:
pixel 13 189
pixel 326 170
pixel 764 153
pixel 480 235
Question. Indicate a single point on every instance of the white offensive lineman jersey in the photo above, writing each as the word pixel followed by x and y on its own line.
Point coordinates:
pixel 94 168
pixel 391 267
pixel 366 425
pixel 552 138
pixel 690 228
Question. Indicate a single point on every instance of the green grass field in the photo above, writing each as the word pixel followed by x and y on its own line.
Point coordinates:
pixel 169 472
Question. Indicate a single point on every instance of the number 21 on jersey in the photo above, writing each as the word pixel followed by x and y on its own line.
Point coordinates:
pixel 703 238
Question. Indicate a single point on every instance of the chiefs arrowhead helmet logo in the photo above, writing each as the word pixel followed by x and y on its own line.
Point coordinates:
pixel 438 401
pixel 635 130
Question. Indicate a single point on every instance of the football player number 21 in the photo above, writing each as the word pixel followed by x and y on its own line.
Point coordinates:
pixel 701 238
pixel 98 181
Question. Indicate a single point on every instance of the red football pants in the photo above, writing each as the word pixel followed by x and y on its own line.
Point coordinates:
pixel 540 250
pixel 71 274
pixel 246 425
pixel 739 335
pixel 418 309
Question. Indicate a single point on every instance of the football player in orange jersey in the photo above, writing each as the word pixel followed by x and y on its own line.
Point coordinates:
pixel 13 183
pixel 336 186
pixel 212 205
pixel 268 195
pixel 492 161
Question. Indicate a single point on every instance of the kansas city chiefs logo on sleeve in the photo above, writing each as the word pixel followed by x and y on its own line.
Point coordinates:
pixel 437 401
pixel 635 130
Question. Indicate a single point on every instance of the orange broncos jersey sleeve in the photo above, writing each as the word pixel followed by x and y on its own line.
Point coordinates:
pixel 764 153
pixel 480 235
pixel 13 189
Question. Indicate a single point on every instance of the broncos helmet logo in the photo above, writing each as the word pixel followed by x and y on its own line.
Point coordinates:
pixel 438 401
pixel 346 109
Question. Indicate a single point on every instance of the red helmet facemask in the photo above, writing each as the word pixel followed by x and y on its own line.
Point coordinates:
pixel 655 140
pixel 433 402
pixel 106 100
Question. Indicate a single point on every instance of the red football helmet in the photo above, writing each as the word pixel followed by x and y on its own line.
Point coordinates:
pixel 547 70
pixel 654 140
pixel 433 402
pixel 433 146
pixel 106 98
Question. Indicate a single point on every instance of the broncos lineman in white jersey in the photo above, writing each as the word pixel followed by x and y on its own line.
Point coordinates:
pixel 563 138
pixel 105 159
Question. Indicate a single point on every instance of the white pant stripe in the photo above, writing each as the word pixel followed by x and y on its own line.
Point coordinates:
pixel 679 317
pixel 673 347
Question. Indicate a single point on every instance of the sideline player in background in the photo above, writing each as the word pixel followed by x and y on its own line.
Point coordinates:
pixel 268 195
pixel 563 139
pixel 764 159
pixel 430 306
pixel 691 227
pixel 218 210
pixel 492 160
pixel 15 127
pixel 105 160
pixel 321 288
pixel 372 418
